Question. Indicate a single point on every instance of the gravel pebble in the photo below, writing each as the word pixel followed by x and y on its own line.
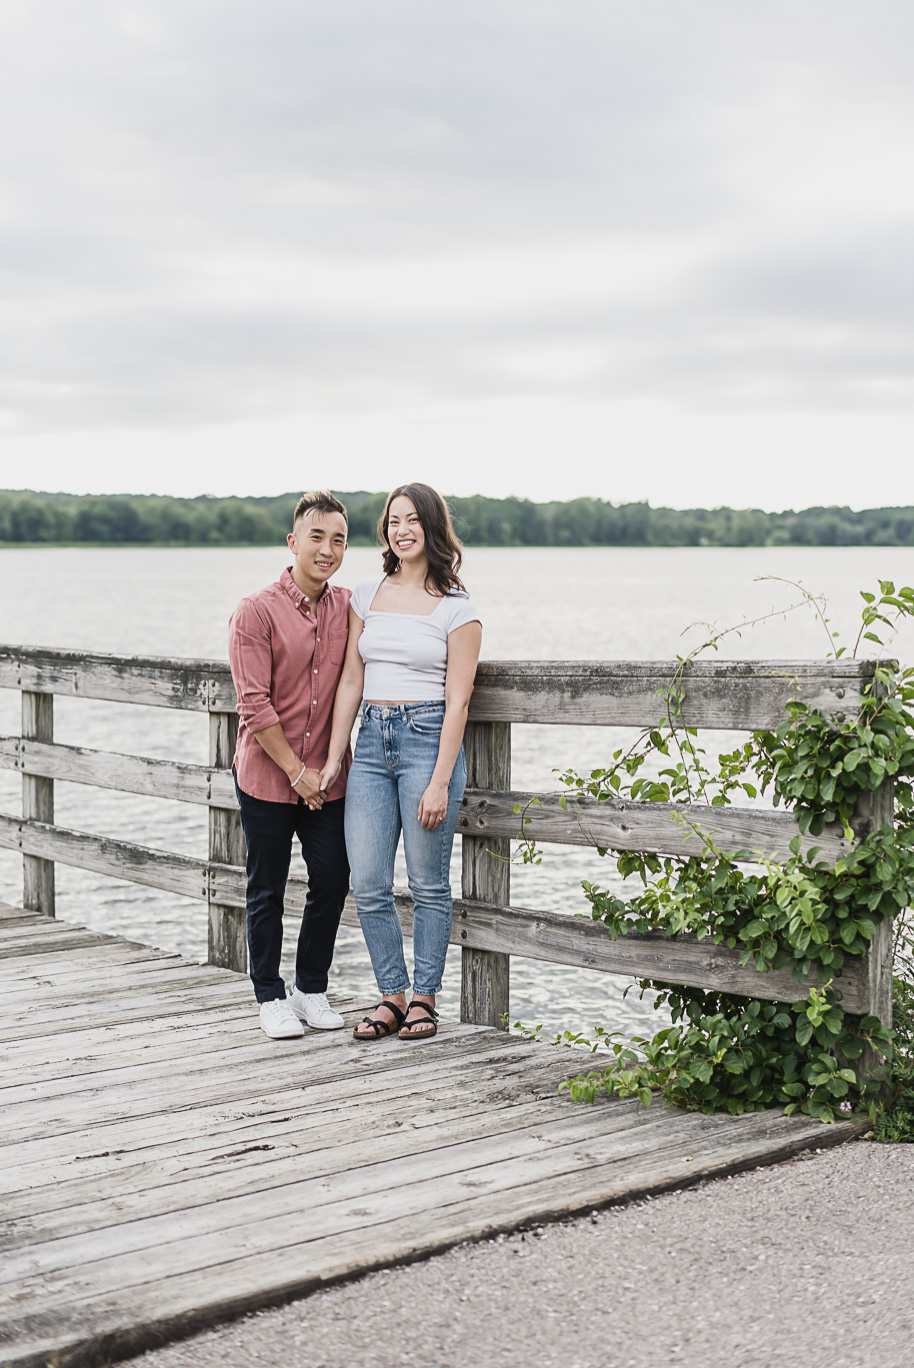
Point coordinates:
pixel 805 1264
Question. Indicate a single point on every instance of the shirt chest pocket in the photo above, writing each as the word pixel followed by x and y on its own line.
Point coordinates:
pixel 338 647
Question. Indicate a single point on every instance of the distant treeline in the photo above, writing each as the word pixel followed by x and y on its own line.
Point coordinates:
pixel 27 517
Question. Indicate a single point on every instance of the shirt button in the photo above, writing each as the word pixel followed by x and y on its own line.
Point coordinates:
pixel 315 671
pixel 307 733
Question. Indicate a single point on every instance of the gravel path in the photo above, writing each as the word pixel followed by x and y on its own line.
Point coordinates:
pixel 804 1265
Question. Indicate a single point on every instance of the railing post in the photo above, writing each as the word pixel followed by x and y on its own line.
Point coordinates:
pixel 227 940
pixel 872 810
pixel 38 804
pixel 486 877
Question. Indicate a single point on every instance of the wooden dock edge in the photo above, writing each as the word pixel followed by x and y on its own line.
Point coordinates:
pixel 121 1341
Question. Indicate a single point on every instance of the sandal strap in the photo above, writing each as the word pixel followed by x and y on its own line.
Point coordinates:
pixel 399 1014
pixel 431 1016
pixel 378 1025
pixel 423 1006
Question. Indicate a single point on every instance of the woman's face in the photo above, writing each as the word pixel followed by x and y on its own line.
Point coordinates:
pixel 404 530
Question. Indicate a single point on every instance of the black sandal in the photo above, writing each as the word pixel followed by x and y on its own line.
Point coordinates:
pixel 430 1015
pixel 381 1028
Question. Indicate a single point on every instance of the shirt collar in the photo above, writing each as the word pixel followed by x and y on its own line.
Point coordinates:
pixel 295 594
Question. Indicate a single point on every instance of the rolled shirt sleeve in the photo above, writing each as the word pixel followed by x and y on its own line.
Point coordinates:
pixel 251 657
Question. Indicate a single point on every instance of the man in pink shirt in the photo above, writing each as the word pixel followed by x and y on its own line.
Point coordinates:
pixel 287 644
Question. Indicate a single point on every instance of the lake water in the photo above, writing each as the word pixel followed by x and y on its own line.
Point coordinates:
pixel 535 604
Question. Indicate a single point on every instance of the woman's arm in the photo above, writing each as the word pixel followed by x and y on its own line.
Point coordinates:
pixel 346 704
pixel 463 646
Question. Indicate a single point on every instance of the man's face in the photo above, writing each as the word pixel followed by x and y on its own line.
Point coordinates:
pixel 318 544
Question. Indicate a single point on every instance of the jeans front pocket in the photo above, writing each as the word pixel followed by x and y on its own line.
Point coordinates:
pixel 426 724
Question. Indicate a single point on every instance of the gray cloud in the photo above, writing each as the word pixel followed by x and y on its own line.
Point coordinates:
pixel 197 193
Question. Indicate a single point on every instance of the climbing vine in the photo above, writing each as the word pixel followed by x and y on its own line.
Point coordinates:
pixel 739 1054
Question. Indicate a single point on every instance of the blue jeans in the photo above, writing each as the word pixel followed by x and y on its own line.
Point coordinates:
pixel 394 758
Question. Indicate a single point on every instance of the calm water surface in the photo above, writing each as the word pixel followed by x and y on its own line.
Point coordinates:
pixel 536 604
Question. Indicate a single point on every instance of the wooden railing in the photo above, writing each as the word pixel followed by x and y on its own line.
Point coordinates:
pixel 733 695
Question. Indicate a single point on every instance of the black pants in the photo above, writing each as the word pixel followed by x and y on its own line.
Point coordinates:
pixel 269 829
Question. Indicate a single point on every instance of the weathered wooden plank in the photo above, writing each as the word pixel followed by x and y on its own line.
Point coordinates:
pixel 92 1040
pixel 109 953
pixel 57 945
pixel 142 1005
pixel 242 1063
pixel 202 784
pixel 228 1143
pixel 105 1112
pixel 218 1148
pixel 730 694
pixel 69 973
pixel 74 1264
pixel 38 804
pixel 479 1136
pixel 235 1150
pixel 619 824
pixel 738 695
pixel 485 974
pixel 9 913
pixel 120 859
pixel 675 959
pixel 478 1062
pixel 484 1075
pixel 192 685
pixel 90 983
pixel 165 1308
pixel 118 1258
pixel 578 941
pixel 545 936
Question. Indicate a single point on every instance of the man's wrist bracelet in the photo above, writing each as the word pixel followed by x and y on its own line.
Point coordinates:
pixel 298 780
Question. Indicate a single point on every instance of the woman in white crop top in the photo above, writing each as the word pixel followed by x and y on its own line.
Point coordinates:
pixel 414 639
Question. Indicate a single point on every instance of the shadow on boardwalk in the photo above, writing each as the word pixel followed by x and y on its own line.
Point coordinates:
pixel 166 1166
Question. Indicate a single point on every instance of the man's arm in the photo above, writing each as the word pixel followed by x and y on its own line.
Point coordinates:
pixel 251 657
pixel 273 740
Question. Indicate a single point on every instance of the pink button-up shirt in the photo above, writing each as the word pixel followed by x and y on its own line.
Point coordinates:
pixel 287 657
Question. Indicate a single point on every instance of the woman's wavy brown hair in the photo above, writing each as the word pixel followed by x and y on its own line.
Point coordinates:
pixel 442 545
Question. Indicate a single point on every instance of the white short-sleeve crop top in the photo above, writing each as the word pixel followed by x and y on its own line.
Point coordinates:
pixel 405 654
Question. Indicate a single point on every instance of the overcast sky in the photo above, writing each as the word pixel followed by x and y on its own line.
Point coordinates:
pixel 543 247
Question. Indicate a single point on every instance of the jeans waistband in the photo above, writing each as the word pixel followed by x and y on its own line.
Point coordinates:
pixel 402 710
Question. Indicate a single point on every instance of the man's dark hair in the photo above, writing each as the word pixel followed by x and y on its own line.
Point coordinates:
pixel 318 501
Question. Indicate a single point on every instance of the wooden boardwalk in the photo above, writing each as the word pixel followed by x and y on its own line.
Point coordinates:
pixel 164 1165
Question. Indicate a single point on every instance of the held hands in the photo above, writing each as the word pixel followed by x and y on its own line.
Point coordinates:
pixel 310 788
pixel 433 806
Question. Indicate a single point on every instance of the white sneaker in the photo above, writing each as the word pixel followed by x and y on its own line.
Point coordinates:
pixel 316 1010
pixel 279 1021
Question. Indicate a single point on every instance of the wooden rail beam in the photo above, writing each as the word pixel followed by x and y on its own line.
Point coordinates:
pixel 140 774
pixel 620 824
pixel 736 695
pixel 158 681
